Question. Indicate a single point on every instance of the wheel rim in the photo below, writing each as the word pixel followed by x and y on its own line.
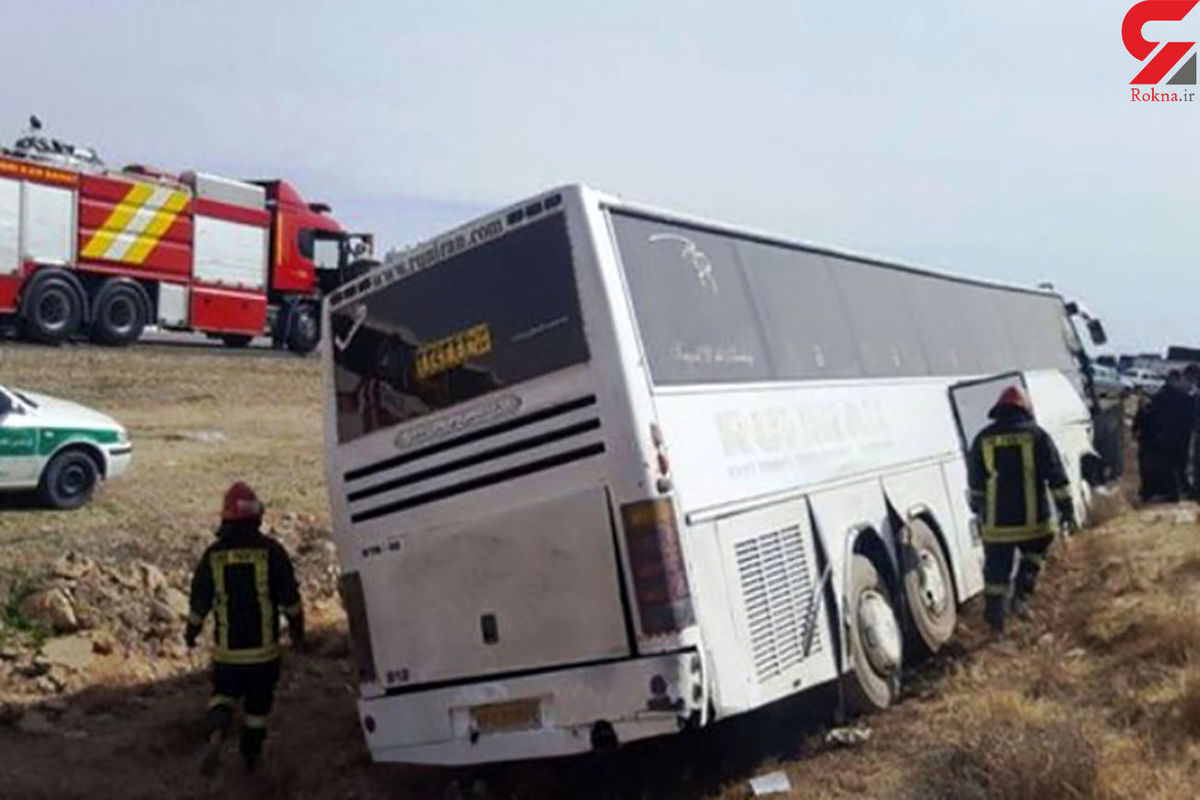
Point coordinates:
pixel 880 632
pixel 54 310
pixel 934 592
pixel 306 326
pixel 74 480
pixel 121 314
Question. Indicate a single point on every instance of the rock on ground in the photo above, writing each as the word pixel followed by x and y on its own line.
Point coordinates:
pixel 51 607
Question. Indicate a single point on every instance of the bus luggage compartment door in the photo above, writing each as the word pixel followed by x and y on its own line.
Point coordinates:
pixel 531 588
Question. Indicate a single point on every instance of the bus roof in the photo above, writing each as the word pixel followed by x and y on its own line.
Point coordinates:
pixel 403 263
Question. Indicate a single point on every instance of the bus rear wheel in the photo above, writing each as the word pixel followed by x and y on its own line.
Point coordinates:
pixel 875 642
pixel 928 588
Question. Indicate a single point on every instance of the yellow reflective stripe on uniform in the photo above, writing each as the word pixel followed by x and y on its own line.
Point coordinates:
pixel 221 600
pixel 1034 558
pixel 995 589
pixel 259 559
pixel 262 583
pixel 221 700
pixel 1029 475
pixel 989 463
pixel 1017 533
pixel 257 655
pixel 255 721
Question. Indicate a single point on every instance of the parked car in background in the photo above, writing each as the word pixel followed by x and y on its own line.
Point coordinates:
pixel 1144 380
pixel 1108 382
pixel 61 449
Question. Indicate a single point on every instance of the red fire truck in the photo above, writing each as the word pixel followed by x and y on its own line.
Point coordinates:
pixel 85 250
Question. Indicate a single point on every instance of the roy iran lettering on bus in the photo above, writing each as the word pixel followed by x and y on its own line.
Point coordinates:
pixel 748 433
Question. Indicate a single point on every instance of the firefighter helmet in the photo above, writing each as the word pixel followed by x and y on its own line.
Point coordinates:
pixel 241 503
pixel 1015 397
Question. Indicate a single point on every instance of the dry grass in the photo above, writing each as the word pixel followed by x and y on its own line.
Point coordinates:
pixel 1010 751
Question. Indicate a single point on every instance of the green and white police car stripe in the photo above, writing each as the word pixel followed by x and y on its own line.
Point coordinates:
pixel 44 441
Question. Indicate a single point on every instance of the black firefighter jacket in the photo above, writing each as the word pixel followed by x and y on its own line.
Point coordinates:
pixel 246 579
pixel 1011 464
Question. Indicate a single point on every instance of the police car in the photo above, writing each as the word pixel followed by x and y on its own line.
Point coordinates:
pixel 60 448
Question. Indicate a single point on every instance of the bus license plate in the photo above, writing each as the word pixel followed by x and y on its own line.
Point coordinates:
pixel 517 715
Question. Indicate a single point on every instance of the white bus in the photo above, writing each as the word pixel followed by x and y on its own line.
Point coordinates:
pixel 600 472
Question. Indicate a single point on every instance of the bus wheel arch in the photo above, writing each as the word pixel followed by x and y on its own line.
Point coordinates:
pixel 930 585
pixel 874 640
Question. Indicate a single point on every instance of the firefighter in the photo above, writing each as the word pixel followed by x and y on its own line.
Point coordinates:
pixel 246 579
pixel 1011 464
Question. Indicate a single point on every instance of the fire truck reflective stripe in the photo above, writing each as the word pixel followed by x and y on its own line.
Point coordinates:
pixel 158 226
pixel 137 225
pixel 98 245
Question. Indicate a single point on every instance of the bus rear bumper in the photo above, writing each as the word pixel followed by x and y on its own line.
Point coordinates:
pixel 556 713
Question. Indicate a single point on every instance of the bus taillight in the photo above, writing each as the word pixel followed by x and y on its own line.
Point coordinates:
pixel 660 582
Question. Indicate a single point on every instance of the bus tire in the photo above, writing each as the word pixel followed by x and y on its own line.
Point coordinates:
pixel 52 312
pixel 69 480
pixel 874 640
pixel 236 340
pixel 928 588
pixel 302 328
pixel 119 314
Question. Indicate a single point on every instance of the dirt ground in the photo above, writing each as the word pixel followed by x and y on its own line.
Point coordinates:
pixel 1097 697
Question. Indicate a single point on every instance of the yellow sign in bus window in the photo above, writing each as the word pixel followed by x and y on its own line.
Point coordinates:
pixel 453 351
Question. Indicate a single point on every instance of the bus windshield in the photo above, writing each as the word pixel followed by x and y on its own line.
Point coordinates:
pixel 489 317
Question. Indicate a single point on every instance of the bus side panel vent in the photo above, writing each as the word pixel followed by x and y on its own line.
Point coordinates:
pixel 777 588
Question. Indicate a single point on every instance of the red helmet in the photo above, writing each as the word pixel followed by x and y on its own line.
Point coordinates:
pixel 1016 397
pixel 241 503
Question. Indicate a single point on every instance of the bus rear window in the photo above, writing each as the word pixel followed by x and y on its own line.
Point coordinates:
pixel 490 317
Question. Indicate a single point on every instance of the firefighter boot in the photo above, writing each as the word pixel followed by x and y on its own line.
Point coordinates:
pixel 1021 607
pixel 993 612
pixel 220 717
pixel 251 746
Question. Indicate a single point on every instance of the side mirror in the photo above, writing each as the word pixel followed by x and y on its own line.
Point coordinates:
pixel 1096 331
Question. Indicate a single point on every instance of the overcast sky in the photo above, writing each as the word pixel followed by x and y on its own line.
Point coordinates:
pixel 995 139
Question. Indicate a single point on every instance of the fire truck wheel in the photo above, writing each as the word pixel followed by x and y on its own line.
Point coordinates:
pixel 120 315
pixel 69 480
pixel 303 328
pixel 53 311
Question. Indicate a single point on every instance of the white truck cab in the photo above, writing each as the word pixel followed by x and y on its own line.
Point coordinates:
pixel 61 449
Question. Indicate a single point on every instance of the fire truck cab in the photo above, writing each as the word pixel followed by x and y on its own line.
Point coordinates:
pixel 90 251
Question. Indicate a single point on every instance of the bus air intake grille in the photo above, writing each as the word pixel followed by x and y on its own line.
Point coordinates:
pixel 777 588
pixel 491 431
pixel 472 484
